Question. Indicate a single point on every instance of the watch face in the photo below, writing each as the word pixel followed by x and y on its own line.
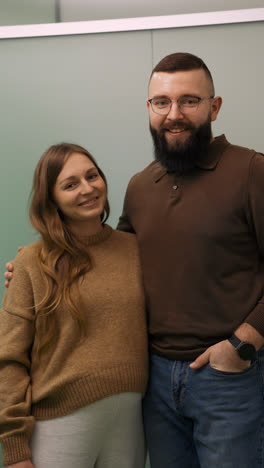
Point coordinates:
pixel 246 351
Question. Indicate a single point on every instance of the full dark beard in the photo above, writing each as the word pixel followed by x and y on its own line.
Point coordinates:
pixel 182 159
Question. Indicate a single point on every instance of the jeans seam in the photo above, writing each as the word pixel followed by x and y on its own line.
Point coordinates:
pixel 178 391
pixel 184 381
pixel 174 394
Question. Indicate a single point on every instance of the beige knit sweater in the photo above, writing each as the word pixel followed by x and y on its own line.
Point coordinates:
pixel 72 373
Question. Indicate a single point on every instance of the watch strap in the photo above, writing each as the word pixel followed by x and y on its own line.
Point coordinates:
pixel 245 350
pixel 235 341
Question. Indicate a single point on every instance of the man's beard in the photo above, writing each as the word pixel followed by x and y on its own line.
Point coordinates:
pixel 182 158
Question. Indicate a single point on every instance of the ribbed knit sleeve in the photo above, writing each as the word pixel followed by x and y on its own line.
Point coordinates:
pixel 16 338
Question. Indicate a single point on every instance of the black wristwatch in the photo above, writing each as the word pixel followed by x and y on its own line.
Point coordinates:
pixel 245 350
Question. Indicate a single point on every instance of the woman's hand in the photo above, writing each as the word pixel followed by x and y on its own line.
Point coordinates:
pixel 8 273
pixel 23 464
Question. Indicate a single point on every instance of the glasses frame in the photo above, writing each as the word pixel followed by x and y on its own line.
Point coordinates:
pixel 178 104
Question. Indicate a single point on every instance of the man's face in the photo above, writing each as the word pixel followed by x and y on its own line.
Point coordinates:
pixel 177 135
pixel 175 126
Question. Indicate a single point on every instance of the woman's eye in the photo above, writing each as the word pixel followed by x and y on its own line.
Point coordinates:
pixel 92 176
pixel 69 186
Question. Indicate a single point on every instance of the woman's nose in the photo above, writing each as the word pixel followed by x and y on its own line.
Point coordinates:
pixel 86 187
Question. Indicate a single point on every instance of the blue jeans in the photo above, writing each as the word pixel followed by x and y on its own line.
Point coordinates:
pixel 204 418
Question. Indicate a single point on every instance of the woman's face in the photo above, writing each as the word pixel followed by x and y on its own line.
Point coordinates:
pixel 80 193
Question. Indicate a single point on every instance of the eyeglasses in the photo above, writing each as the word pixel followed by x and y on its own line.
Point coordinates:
pixel 186 104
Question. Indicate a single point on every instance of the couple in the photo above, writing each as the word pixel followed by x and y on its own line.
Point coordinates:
pixel 73 350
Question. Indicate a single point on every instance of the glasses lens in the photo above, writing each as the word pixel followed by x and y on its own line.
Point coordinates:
pixel 188 102
pixel 161 105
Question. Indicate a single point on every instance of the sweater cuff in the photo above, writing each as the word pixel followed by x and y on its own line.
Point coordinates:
pixel 15 449
pixel 256 318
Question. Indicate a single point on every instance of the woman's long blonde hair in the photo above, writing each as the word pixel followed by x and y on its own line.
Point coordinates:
pixel 63 258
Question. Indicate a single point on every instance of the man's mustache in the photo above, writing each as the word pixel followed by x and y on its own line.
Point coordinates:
pixel 176 124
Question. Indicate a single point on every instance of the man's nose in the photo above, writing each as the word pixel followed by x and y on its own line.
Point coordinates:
pixel 175 112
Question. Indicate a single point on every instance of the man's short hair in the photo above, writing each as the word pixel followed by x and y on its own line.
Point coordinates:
pixel 182 61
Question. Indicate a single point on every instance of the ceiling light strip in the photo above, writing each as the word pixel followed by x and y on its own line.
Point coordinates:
pixel 133 24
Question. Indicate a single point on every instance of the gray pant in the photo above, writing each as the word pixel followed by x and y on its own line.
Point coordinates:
pixel 106 434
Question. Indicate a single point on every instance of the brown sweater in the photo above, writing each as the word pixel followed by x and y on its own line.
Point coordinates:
pixel 201 239
pixel 72 373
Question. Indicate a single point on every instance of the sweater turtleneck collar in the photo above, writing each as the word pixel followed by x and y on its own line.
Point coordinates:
pixel 101 236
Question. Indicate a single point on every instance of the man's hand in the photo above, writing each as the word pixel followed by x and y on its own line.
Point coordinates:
pixel 23 464
pixel 8 273
pixel 223 357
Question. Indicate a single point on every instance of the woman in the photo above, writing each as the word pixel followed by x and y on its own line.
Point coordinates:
pixel 73 355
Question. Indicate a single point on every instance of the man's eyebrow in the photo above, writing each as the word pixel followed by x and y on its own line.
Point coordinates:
pixel 160 97
pixel 190 95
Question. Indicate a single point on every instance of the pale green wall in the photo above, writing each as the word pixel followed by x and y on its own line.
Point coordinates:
pixel 87 10
pixel 43 11
pixel 91 89
pixel 13 12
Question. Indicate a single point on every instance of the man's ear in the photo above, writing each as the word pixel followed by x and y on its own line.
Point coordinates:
pixel 216 106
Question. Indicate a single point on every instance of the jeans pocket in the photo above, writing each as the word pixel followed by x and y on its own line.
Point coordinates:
pixel 251 368
pixel 260 366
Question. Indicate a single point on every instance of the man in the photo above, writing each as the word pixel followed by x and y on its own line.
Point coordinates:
pixel 197 211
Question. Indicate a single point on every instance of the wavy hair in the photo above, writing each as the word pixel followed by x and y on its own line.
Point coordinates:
pixel 63 258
